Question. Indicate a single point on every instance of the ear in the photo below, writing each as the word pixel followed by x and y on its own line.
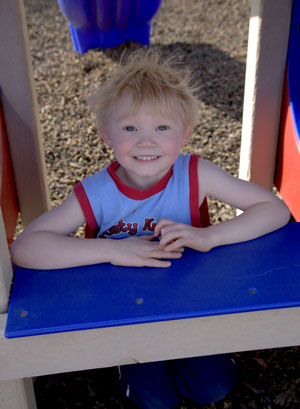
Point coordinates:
pixel 187 135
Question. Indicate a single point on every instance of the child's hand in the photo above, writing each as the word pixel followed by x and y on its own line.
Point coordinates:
pixel 174 236
pixel 142 252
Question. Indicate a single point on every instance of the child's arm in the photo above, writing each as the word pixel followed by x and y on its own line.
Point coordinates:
pixel 45 244
pixel 263 213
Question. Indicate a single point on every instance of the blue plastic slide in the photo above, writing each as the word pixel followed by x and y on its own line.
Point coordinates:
pixel 108 23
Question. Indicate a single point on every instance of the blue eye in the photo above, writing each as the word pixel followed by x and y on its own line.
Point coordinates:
pixel 130 128
pixel 162 127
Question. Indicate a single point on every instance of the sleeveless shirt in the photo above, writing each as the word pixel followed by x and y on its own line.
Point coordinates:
pixel 115 210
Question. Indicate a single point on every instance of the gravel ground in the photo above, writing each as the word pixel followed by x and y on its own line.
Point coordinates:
pixel 210 37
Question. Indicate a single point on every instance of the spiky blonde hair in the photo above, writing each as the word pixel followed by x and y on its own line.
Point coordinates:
pixel 147 77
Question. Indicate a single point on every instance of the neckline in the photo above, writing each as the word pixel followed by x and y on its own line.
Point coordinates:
pixel 134 193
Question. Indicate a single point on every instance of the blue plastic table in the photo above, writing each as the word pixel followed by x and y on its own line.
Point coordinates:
pixel 259 274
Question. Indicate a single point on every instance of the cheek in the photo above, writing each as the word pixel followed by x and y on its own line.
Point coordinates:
pixel 172 147
pixel 122 148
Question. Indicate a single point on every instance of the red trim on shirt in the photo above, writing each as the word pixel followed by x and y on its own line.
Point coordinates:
pixel 194 191
pixel 199 215
pixel 92 228
pixel 137 194
pixel 204 214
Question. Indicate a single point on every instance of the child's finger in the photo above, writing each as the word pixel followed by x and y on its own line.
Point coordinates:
pixel 160 225
pixel 180 249
pixel 174 246
pixel 147 237
pixel 157 263
pixel 169 238
pixel 169 254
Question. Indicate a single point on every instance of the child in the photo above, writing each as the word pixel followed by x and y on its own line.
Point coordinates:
pixel 146 113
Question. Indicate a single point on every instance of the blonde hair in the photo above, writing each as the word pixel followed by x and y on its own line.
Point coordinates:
pixel 146 77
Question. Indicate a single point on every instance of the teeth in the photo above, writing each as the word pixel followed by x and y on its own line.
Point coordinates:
pixel 146 157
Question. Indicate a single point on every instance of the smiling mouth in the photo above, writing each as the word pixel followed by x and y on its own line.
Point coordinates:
pixel 148 157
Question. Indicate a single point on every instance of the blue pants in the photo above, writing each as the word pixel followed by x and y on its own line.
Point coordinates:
pixel 163 385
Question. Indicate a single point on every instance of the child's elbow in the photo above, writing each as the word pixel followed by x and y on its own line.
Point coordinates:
pixel 16 252
pixel 284 213
pixel 19 252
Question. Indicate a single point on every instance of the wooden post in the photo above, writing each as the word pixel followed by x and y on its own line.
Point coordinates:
pixel 266 61
pixel 17 394
pixel 20 112
pixel 5 268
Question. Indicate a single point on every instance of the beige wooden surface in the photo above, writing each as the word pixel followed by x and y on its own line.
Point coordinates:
pixel 17 394
pixel 20 111
pixel 266 61
pixel 5 268
pixel 72 351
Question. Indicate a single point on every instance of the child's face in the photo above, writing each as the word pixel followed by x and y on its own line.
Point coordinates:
pixel 146 144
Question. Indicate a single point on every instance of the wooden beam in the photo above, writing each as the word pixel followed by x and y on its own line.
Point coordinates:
pixel 266 61
pixel 17 394
pixel 20 112
pixel 80 350
pixel 5 268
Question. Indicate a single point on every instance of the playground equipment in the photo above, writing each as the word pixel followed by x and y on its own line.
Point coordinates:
pixel 106 24
pixel 8 200
pixel 104 295
pixel 221 330
pixel 288 166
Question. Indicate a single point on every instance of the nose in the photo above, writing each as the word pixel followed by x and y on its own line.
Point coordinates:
pixel 146 138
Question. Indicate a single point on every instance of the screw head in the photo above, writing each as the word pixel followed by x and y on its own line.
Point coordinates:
pixel 24 314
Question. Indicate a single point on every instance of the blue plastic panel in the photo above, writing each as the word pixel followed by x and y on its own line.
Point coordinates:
pixel 255 275
pixel 108 23
pixel 294 66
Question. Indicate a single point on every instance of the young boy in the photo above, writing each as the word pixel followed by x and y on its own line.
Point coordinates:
pixel 146 113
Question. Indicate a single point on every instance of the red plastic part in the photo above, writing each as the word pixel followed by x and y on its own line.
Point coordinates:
pixel 288 161
pixel 8 198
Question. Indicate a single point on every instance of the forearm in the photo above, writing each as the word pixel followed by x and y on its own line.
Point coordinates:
pixel 47 250
pixel 256 221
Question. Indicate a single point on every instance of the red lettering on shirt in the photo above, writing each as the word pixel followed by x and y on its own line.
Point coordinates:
pixel 149 225
pixel 132 228
pixel 115 229
pixel 121 227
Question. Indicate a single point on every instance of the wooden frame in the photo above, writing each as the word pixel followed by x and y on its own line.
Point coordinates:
pixel 26 357
pixel 20 111
pixel 6 272
pixel 266 61
pixel 73 351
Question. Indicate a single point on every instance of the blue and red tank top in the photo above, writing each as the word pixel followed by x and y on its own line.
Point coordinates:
pixel 115 210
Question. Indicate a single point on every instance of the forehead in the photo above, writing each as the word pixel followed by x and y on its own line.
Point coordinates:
pixel 124 107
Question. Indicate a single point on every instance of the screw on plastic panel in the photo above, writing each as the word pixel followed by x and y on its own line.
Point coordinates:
pixel 139 301
pixel 24 314
pixel 252 291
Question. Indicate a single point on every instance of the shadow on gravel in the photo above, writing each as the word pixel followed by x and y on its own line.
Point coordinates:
pixel 219 77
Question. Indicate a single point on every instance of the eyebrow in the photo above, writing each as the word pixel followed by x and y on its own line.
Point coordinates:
pixel 126 117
